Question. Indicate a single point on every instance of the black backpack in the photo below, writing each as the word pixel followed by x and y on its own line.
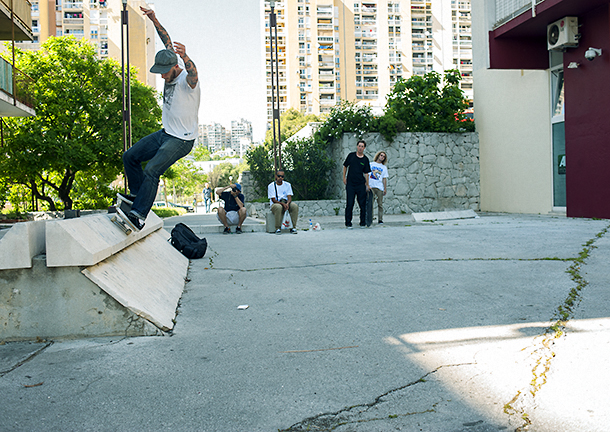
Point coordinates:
pixel 187 242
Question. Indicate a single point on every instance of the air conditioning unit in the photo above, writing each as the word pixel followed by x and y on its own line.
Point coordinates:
pixel 562 34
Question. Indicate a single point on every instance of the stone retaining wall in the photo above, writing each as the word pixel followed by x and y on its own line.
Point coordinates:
pixel 428 172
pixel 306 208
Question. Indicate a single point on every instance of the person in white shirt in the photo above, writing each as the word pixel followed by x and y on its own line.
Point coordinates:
pixel 378 181
pixel 161 149
pixel 280 194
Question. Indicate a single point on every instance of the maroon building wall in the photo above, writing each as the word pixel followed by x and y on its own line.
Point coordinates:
pixel 521 44
pixel 587 119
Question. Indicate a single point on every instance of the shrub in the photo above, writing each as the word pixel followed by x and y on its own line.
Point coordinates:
pixel 163 212
pixel 426 106
pixel 346 117
pixel 305 163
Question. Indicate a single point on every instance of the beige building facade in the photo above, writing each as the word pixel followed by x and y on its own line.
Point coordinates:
pixel 99 22
pixel 334 50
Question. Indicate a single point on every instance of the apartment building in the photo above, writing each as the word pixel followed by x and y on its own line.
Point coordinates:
pixel 218 137
pixel 241 136
pixel 202 138
pixel 99 22
pixel 15 25
pixel 333 50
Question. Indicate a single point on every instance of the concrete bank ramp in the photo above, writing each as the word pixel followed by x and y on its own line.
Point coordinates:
pixel 90 239
pixel 147 278
pixel 84 277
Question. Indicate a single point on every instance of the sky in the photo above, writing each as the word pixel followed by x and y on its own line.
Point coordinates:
pixel 223 38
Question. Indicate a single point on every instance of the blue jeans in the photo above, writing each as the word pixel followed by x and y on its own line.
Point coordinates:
pixel 208 203
pixel 161 150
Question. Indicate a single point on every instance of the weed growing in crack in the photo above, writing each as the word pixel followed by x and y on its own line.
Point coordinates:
pixel 556 330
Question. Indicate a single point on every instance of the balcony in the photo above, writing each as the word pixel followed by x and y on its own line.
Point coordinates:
pixel 73 5
pixel 509 9
pixel 22 14
pixel 15 99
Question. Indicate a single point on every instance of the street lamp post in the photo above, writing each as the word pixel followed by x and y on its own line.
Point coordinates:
pixel 275 87
pixel 126 79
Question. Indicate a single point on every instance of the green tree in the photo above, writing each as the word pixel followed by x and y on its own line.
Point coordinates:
pixel 307 165
pixel 221 173
pixel 201 153
pixel 427 104
pixel 305 161
pixel 260 160
pixel 183 181
pixel 291 121
pixel 346 117
pixel 72 149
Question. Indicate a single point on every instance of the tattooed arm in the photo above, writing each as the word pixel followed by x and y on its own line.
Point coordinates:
pixel 163 34
pixel 191 70
pixel 177 47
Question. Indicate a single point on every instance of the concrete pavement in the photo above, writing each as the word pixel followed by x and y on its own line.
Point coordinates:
pixel 410 326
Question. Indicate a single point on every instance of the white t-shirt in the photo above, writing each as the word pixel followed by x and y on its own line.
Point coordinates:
pixel 378 173
pixel 181 108
pixel 283 191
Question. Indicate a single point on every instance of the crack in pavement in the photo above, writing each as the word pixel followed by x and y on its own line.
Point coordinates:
pixel 27 359
pixel 542 349
pixel 349 415
pixel 304 266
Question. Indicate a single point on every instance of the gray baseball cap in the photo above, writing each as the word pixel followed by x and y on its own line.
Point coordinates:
pixel 165 60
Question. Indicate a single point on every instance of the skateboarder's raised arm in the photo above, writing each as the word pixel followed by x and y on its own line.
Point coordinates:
pixel 163 34
pixel 178 48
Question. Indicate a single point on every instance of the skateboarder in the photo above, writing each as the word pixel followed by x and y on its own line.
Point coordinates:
pixel 356 183
pixel 163 148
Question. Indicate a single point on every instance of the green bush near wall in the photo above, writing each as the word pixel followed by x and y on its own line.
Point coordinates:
pixel 168 212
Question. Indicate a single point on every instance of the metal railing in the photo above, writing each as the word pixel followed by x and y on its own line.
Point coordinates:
pixel 506 10
pixel 17 87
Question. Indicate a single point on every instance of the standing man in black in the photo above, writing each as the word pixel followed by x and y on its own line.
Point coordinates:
pixel 356 183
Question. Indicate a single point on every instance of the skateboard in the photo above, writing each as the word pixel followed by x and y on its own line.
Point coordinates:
pixel 369 208
pixel 120 219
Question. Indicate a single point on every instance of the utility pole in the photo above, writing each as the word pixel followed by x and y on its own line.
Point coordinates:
pixel 126 78
pixel 275 87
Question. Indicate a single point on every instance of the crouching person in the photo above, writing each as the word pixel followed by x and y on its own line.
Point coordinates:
pixel 280 195
pixel 234 211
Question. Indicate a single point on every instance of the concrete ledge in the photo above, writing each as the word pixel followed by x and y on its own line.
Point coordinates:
pixel 20 244
pixel 444 215
pixel 88 240
pixel 147 278
pixel 44 302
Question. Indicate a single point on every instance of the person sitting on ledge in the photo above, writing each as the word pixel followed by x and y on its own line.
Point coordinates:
pixel 279 193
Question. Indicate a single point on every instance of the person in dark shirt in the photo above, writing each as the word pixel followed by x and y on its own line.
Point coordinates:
pixel 357 168
pixel 234 211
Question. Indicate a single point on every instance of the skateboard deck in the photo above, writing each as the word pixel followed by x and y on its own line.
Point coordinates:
pixel 369 208
pixel 120 219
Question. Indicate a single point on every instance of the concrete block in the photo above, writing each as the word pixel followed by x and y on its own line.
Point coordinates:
pixel 269 222
pixel 20 244
pixel 88 240
pixel 147 278
pixel 47 303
